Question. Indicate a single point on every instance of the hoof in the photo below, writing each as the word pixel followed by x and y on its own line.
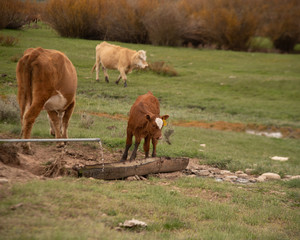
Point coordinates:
pixel 125 84
pixel 97 80
pixel 106 79
pixel 27 150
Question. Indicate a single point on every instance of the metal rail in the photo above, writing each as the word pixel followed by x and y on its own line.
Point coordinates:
pixel 54 140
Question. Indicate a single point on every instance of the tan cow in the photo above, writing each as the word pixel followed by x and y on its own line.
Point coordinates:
pixel 111 56
pixel 47 80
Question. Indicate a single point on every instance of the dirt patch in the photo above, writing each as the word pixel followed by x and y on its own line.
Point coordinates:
pixel 50 161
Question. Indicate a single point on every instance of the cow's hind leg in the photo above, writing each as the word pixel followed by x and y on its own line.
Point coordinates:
pixel 105 74
pixel 119 78
pixel 66 118
pixel 27 123
pixel 56 119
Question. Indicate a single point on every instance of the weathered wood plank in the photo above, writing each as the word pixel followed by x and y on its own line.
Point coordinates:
pixel 110 171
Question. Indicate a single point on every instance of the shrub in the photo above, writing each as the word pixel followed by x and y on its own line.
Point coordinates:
pixel 16 13
pixel 165 24
pixel 282 24
pixel 229 23
pixel 122 21
pixel 74 18
pixel 9 109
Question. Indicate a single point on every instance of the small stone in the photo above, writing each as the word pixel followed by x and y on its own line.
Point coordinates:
pixel 239 172
pixel 242 180
pixel 243 175
pixel 249 170
pixel 3 181
pixel 219 180
pixel 224 172
pixel 261 179
pixel 271 176
pixel 203 173
pixel 281 159
pixel 295 177
pixel 231 178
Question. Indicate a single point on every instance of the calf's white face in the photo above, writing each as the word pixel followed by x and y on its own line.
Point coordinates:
pixel 159 122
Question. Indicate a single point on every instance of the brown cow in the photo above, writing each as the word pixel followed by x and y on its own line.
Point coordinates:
pixel 110 56
pixel 46 80
pixel 144 122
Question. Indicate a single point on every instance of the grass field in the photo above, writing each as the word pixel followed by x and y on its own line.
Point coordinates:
pixel 236 87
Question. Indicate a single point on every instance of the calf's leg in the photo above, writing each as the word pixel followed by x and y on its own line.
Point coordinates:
pixel 154 143
pixel 128 145
pixel 147 146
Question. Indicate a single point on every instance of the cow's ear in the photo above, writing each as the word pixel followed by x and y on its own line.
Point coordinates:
pixel 165 117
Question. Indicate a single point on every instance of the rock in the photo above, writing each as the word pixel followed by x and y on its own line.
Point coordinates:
pixel 243 175
pixel 3 181
pixel 249 170
pixel 295 177
pixel 133 223
pixel 269 175
pixel 224 172
pixel 242 180
pixel 261 179
pixel 230 178
pixel 239 172
pixel 281 159
pixel 203 173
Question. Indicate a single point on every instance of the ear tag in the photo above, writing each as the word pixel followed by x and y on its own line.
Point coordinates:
pixel 165 123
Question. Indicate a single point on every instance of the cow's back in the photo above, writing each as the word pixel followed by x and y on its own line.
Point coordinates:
pixel 111 56
pixel 42 73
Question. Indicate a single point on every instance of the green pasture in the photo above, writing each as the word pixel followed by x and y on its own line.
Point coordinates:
pixel 212 85
pixel 238 87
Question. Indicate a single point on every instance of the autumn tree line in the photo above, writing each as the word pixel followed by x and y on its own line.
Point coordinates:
pixel 221 24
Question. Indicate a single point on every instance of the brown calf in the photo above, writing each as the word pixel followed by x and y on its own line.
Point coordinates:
pixel 144 122
pixel 46 80
pixel 111 56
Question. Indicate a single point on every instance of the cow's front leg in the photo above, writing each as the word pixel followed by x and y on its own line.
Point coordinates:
pixel 136 145
pixel 128 145
pixel 154 143
pixel 124 77
pixel 147 146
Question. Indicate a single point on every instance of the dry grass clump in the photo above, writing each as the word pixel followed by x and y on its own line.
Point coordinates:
pixel 9 109
pixel 8 41
pixel 161 67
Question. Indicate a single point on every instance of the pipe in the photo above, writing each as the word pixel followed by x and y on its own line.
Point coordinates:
pixel 53 140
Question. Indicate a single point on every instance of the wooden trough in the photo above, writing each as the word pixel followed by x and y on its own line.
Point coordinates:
pixel 119 170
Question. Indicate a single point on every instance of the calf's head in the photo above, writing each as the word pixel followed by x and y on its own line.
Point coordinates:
pixel 155 125
pixel 139 59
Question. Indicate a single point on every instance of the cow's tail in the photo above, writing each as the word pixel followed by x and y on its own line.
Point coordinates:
pixel 24 77
pixel 93 69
